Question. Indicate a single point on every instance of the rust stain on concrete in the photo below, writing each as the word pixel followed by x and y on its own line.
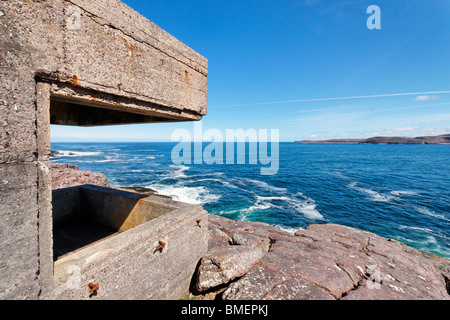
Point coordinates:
pixel 74 81
pixel 186 77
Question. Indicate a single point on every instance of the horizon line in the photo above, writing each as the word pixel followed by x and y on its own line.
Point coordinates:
pixel 373 136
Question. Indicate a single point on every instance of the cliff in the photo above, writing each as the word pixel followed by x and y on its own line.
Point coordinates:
pixel 441 139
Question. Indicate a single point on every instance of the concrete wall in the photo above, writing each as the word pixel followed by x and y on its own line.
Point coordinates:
pixel 93 53
pixel 66 205
pixel 127 265
pixel 118 209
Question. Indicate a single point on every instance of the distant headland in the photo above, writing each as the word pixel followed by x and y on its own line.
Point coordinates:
pixel 440 139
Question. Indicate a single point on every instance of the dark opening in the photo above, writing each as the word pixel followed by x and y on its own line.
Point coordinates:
pixel 72 114
pixel 86 214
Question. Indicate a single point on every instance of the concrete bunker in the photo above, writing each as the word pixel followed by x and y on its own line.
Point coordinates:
pixel 84 215
pixel 129 244
pixel 91 222
pixel 90 63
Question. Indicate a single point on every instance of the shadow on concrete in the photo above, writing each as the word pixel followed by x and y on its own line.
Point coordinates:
pixel 86 214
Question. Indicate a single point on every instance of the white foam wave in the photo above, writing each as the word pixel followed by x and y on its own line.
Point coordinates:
pixel 256 206
pixel 426 243
pixel 105 160
pixel 261 184
pixel 193 195
pixel 309 209
pixel 374 196
pixel 225 212
pixel 429 212
pixel 425 230
pixel 298 203
pixel 245 212
pixel 66 153
pixel 302 204
pixel 287 229
pixel 404 192
pixel 382 197
pixel 108 159
pixel 178 172
pixel 154 156
pixel 416 229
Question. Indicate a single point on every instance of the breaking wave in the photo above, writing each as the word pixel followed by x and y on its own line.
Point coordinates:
pixel 178 172
pixel 259 184
pixel 192 195
pixel 373 195
pixel 62 153
pixel 404 193
pixel 301 204
pixel 430 213
pixel 381 197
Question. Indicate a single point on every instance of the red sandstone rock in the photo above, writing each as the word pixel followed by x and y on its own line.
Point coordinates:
pixel 324 261
pixel 223 264
pixel 67 175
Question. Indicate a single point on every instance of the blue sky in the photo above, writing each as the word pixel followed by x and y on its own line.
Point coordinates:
pixel 310 68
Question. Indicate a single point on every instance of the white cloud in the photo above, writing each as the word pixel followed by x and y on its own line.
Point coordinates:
pixel 425 98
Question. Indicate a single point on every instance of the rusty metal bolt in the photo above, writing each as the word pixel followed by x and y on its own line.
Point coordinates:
pixel 93 287
pixel 74 81
pixel 161 246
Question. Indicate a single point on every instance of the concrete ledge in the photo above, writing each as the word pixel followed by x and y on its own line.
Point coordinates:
pixel 98 54
pixel 128 265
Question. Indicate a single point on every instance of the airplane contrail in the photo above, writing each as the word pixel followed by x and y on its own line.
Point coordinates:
pixel 338 98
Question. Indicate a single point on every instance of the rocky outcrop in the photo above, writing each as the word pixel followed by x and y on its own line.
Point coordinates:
pixel 223 264
pixel 66 175
pixel 441 139
pixel 255 261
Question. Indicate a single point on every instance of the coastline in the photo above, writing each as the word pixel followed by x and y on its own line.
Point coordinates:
pixel 434 140
pixel 345 189
pixel 254 261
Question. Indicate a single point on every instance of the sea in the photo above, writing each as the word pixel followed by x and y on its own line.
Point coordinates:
pixel 400 192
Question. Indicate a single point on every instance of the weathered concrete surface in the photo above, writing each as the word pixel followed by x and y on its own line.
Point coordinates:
pixel 322 262
pixel 19 259
pixel 127 264
pixel 92 55
pixel 71 55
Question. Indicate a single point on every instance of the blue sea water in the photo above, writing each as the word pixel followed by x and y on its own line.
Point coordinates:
pixel 396 191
